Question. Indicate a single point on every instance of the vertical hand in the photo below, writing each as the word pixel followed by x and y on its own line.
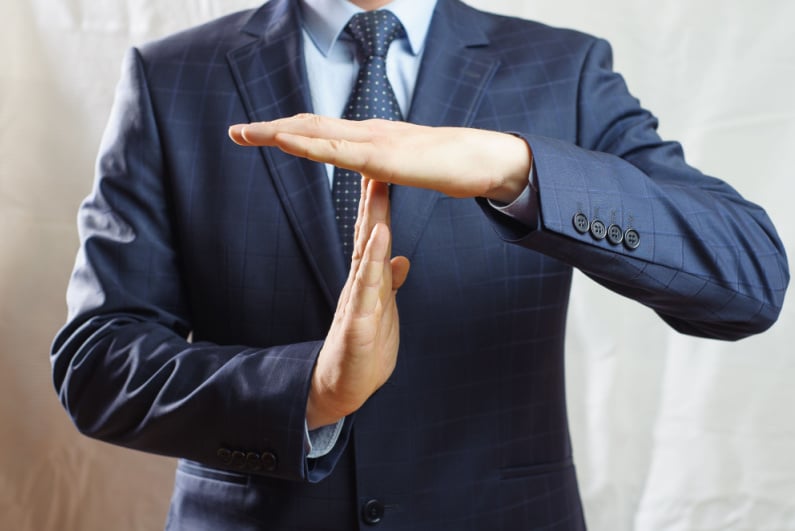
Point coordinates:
pixel 360 350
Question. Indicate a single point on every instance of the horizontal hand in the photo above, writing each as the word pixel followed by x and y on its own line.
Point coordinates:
pixel 456 161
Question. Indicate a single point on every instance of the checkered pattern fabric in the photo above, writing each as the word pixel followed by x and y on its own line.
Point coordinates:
pixel 372 97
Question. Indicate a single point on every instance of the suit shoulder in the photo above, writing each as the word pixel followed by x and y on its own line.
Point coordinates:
pixel 202 42
pixel 510 32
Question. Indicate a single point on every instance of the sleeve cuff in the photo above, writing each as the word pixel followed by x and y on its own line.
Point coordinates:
pixel 321 441
pixel 523 209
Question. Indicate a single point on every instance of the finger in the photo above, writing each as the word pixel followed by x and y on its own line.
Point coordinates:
pixel 373 209
pixel 367 287
pixel 317 126
pixel 359 238
pixel 400 271
pixel 236 134
pixel 256 134
pixel 377 203
pixel 362 230
pixel 368 215
pixel 341 152
pixel 305 125
pixel 359 243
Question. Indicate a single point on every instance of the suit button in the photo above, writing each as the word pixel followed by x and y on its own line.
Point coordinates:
pixel 581 223
pixel 631 239
pixel 224 455
pixel 372 511
pixel 269 461
pixel 238 460
pixel 253 463
pixel 614 234
pixel 598 229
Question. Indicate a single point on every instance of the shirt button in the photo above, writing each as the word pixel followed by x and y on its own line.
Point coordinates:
pixel 372 511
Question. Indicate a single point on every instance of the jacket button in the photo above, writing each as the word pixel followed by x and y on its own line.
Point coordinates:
pixel 631 239
pixel 224 455
pixel 581 223
pixel 614 234
pixel 372 511
pixel 238 460
pixel 269 461
pixel 253 462
pixel 598 229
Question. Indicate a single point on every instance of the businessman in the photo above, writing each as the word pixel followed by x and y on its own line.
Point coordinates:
pixel 352 313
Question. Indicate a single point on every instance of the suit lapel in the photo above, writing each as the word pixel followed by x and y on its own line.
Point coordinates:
pixel 270 75
pixel 455 72
pixel 271 79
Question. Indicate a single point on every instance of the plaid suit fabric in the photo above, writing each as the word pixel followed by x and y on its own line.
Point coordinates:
pixel 187 232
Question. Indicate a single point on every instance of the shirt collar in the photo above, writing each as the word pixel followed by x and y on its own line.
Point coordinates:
pixel 324 20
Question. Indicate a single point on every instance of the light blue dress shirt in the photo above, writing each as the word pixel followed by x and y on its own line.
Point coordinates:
pixel 330 54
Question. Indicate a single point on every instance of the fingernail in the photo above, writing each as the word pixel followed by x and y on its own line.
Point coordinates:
pixel 236 132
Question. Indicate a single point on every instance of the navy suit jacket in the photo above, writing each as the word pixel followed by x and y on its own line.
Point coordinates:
pixel 208 274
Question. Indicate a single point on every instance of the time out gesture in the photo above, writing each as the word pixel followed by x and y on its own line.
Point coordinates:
pixel 360 350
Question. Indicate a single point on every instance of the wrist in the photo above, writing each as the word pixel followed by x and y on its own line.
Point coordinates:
pixel 518 160
pixel 318 411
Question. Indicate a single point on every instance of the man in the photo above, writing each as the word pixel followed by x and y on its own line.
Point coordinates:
pixel 210 315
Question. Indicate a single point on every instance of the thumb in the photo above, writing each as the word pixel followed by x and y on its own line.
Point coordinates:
pixel 400 270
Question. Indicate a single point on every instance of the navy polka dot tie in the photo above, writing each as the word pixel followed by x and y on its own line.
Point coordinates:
pixel 371 97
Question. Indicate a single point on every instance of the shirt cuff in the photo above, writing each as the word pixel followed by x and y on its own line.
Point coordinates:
pixel 321 441
pixel 524 208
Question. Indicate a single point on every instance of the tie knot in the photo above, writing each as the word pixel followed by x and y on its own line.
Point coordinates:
pixel 374 31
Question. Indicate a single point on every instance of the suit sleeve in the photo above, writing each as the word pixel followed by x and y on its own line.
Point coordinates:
pixel 123 366
pixel 687 245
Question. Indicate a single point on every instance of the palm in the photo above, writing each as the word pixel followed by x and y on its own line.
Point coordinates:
pixel 360 350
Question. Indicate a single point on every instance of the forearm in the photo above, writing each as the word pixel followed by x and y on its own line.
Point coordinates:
pixel 708 261
pixel 136 383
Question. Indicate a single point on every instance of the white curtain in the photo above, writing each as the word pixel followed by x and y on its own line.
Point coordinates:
pixel 670 433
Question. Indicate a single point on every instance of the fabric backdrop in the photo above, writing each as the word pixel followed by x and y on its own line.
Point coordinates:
pixel 670 433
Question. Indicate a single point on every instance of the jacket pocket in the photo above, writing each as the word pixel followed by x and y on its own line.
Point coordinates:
pixel 523 471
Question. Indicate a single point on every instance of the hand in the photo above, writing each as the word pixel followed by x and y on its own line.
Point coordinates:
pixel 360 350
pixel 456 161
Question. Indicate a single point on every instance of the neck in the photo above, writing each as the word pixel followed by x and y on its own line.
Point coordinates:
pixel 369 5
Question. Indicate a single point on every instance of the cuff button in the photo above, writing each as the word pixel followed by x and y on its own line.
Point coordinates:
pixel 614 234
pixel 238 460
pixel 598 230
pixel 631 239
pixel 224 455
pixel 269 461
pixel 581 223
pixel 253 462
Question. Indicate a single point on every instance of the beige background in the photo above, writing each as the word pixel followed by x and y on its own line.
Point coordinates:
pixel 670 433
